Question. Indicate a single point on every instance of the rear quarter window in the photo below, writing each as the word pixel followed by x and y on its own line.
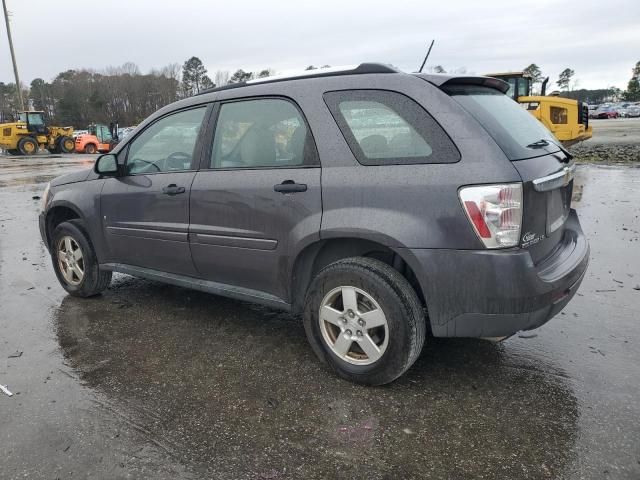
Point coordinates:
pixel 388 128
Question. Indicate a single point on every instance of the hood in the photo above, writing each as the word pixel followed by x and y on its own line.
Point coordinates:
pixel 74 177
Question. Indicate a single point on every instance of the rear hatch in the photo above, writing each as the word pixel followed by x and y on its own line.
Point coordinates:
pixel 545 167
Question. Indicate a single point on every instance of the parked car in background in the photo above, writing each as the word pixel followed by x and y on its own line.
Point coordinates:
pixel 632 112
pixel 125 131
pixel 604 112
pixel 379 205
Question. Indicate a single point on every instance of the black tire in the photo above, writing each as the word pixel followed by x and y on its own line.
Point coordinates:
pixel 66 144
pixel 28 146
pixel 395 296
pixel 90 148
pixel 94 279
pixel 13 151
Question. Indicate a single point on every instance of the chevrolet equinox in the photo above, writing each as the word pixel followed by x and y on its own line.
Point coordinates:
pixel 380 205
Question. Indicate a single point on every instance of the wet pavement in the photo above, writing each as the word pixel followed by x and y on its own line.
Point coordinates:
pixel 154 381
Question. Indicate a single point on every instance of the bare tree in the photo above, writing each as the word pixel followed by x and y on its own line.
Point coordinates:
pixel 221 77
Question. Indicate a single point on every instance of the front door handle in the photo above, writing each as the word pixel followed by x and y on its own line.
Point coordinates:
pixel 173 189
pixel 289 186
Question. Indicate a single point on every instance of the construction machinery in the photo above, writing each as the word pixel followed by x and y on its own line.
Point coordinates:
pixel 566 118
pixel 30 133
pixel 100 138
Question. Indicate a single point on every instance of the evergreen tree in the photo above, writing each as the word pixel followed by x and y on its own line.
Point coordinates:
pixel 194 77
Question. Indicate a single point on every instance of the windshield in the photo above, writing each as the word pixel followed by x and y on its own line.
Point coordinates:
pixel 516 131
pixel 36 119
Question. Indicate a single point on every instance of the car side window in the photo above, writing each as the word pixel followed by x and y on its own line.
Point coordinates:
pixel 167 145
pixel 388 128
pixel 261 133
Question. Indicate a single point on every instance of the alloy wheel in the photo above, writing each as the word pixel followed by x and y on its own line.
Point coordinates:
pixel 353 325
pixel 70 260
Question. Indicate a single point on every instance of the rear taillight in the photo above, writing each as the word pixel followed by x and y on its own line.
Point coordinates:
pixel 495 211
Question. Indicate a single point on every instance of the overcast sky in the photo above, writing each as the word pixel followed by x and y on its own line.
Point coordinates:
pixel 599 39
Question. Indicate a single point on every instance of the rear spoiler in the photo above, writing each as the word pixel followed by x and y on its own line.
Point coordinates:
pixel 446 80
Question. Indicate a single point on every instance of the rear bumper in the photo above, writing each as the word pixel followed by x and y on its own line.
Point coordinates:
pixel 489 293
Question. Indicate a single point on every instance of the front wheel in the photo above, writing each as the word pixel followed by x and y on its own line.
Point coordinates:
pixel 66 144
pixel 90 148
pixel 364 320
pixel 75 261
pixel 28 146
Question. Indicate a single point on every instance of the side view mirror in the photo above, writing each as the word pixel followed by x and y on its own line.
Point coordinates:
pixel 106 165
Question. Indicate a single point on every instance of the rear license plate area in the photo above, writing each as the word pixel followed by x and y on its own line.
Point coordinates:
pixel 558 206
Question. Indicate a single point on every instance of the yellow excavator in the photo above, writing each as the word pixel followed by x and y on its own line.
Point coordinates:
pixel 31 133
pixel 566 118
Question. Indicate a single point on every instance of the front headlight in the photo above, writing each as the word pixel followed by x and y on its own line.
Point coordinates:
pixel 45 195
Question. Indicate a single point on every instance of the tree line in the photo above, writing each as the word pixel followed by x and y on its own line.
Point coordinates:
pixel 567 86
pixel 123 94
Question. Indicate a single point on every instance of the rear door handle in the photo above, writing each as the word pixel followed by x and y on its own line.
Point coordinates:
pixel 289 186
pixel 173 189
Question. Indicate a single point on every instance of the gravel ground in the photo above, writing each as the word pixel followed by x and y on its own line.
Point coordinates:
pixel 615 141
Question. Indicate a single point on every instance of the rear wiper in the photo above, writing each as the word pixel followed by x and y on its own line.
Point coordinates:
pixel 539 144
pixel 569 156
pixel 545 143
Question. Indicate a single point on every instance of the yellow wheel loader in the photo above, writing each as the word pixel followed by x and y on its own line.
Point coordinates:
pixel 30 133
pixel 566 118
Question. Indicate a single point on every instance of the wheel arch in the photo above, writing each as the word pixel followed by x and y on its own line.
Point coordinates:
pixel 60 213
pixel 321 253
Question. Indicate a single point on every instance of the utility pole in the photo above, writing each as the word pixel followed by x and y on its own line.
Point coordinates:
pixel 13 54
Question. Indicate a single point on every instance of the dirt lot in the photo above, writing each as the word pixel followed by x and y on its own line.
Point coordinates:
pixel 154 381
pixel 614 141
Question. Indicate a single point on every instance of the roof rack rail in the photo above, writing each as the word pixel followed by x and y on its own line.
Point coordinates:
pixel 363 68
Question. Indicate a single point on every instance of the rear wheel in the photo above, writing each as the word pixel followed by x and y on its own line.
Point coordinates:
pixel 66 144
pixel 90 148
pixel 364 320
pixel 28 146
pixel 75 261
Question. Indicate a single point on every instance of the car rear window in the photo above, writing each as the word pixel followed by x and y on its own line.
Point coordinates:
pixel 518 133
pixel 388 128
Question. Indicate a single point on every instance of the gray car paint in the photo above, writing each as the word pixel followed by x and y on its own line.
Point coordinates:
pixel 244 233
pixel 412 209
pixel 145 227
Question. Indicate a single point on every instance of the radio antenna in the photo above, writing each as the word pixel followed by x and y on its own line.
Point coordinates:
pixel 427 56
